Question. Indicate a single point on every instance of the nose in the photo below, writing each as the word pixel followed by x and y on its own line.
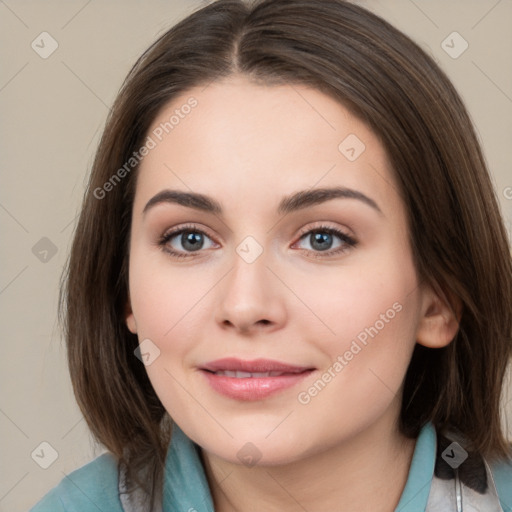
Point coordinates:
pixel 251 298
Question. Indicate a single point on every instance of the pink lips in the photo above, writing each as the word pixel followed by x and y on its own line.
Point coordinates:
pixel 240 385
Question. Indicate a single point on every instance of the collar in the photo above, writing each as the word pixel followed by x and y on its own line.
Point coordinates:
pixel 417 488
pixel 186 487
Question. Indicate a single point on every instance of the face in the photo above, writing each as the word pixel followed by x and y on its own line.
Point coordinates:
pixel 323 283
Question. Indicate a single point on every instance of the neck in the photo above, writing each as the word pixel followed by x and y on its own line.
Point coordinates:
pixel 366 472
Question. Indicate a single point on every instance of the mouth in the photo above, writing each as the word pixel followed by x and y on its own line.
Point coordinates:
pixel 247 375
pixel 254 367
pixel 252 380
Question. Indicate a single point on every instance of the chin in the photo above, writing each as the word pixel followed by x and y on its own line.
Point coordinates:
pixel 249 450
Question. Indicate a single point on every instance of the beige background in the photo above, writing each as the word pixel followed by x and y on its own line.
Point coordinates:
pixel 53 111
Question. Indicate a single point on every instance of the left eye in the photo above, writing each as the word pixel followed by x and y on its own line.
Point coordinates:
pixel 321 239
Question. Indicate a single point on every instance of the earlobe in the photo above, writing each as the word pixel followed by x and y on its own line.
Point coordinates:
pixel 130 318
pixel 440 320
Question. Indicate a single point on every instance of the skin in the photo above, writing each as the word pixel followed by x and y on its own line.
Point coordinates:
pixel 248 146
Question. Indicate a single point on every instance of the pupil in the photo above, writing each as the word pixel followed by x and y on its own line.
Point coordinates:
pixel 194 240
pixel 320 239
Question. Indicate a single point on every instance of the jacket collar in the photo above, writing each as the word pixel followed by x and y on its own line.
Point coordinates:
pixel 417 488
pixel 185 486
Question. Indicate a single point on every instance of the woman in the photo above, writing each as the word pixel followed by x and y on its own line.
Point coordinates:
pixel 290 285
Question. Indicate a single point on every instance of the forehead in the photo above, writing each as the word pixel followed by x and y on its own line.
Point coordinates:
pixel 237 140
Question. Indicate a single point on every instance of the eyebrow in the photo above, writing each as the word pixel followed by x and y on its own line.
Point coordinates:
pixel 296 201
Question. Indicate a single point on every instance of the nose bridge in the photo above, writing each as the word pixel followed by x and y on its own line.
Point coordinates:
pixel 249 297
pixel 248 281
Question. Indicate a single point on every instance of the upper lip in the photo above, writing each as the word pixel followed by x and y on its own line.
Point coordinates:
pixel 256 365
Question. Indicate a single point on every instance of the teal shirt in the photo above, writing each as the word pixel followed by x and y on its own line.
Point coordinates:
pixel 94 487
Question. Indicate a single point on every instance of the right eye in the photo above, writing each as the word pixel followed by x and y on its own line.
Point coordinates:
pixel 189 237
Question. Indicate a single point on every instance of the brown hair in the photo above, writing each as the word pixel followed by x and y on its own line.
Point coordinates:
pixel 457 236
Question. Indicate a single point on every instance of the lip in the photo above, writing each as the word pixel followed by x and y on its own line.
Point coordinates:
pixel 253 388
pixel 256 365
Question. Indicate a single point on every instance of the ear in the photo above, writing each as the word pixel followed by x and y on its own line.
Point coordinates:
pixel 440 319
pixel 129 317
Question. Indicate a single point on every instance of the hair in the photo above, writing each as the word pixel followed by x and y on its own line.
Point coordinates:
pixel 457 236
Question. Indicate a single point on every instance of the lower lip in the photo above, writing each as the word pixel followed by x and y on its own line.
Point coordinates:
pixel 253 388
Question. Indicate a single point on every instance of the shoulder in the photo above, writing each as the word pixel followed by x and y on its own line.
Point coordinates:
pixel 502 475
pixel 93 487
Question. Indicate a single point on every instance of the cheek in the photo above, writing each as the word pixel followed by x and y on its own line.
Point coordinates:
pixel 164 300
pixel 168 302
pixel 375 300
pixel 364 369
pixel 369 317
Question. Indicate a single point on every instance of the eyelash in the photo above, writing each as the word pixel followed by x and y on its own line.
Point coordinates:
pixel 348 241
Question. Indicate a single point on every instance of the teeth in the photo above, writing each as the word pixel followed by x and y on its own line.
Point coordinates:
pixel 246 375
pixel 243 375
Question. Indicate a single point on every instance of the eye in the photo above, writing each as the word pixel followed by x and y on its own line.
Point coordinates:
pixel 322 239
pixel 184 241
pixel 189 237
